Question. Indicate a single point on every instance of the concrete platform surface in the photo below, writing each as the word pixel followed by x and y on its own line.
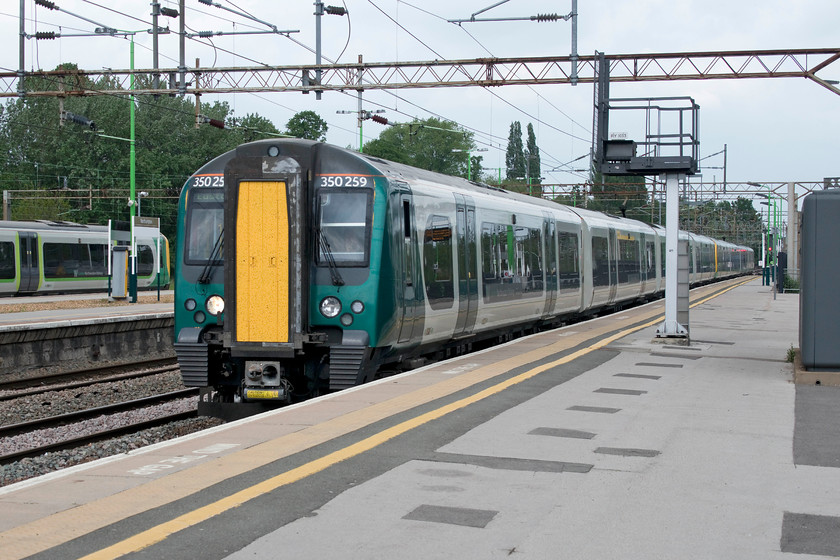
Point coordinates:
pixel 590 441
pixel 91 310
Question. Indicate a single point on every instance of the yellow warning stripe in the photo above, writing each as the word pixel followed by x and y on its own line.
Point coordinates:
pixel 160 532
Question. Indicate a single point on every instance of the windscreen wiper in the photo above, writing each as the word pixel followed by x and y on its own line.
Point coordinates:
pixel 207 273
pixel 335 275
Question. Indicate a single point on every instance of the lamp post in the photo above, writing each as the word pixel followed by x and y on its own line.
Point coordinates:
pixel 140 196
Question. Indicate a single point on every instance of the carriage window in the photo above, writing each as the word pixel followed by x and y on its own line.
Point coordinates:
pixel 437 263
pixel 628 259
pixel 145 260
pixel 344 226
pixel 7 260
pixel 205 223
pixel 512 263
pixel 568 270
pixel 650 260
pixel 74 260
pixel 600 261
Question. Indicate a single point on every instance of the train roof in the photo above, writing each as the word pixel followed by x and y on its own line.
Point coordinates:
pixel 402 172
pixel 50 225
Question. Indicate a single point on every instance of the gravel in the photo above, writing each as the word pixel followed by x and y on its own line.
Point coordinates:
pixel 70 400
pixel 49 462
pixel 63 401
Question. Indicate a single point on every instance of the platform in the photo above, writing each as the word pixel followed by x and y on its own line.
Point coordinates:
pixel 39 336
pixel 92 312
pixel 590 441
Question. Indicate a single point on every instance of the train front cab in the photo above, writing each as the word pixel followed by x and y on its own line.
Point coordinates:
pixel 298 273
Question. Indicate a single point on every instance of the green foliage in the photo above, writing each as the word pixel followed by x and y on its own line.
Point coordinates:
pixel 515 155
pixel 532 157
pixel 68 172
pixel 431 144
pixel 307 124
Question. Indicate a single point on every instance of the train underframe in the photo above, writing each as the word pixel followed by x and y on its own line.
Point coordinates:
pixel 236 386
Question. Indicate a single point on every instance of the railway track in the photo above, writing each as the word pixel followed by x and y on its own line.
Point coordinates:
pixel 12 430
pixel 86 377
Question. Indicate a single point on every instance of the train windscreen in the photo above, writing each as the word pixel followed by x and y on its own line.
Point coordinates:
pixel 204 227
pixel 344 223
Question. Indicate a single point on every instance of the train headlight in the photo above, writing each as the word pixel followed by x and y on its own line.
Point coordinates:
pixel 346 319
pixel 330 307
pixel 189 305
pixel 357 307
pixel 215 305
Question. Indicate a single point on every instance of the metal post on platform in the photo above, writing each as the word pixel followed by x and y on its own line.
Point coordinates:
pixel 671 327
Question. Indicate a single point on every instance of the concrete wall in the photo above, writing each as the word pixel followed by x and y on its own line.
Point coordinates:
pixel 71 345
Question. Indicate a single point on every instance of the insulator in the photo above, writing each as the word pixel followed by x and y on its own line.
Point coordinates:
pixel 45 4
pixel 378 119
pixel 335 10
pixel 45 35
pixel 169 12
pixel 207 2
pixel 206 34
pixel 216 122
pixel 546 17
pixel 79 119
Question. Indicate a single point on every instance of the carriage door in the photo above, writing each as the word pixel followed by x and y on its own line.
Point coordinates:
pixel 29 276
pixel 467 264
pixel 408 284
pixel 550 266
pixel 614 264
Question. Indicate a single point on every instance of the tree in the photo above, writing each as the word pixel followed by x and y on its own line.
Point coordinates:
pixel 515 155
pixel 431 144
pixel 532 154
pixel 307 124
pixel 85 176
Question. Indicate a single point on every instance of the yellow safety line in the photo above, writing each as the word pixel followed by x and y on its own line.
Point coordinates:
pixel 160 532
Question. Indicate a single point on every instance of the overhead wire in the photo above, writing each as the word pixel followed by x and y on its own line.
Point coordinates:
pixel 494 94
pixel 217 48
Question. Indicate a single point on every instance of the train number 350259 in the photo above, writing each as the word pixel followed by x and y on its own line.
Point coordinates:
pixel 343 181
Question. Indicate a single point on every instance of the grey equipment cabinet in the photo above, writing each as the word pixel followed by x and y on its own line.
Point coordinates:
pixel 819 303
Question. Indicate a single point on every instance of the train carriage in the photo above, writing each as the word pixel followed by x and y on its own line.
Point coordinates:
pixel 304 267
pixel 42 257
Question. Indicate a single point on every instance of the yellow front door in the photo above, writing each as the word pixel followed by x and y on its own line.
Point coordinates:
pixel 262 262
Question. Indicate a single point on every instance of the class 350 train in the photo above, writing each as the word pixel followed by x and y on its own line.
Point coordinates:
pixel 304 267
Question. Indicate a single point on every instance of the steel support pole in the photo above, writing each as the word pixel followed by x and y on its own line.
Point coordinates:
pixel 22 49
pixel 155 58
pixel 132 279
pixel 671 327
pixel 182 56
pixel 319 11
pixel 792 242
pixel 573 79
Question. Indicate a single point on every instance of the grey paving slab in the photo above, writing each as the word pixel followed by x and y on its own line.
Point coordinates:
pixel 694 461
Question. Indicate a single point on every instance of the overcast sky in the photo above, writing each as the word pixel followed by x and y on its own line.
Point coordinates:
pixel 774 129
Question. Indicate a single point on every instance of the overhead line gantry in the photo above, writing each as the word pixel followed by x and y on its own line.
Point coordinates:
pixel 487 72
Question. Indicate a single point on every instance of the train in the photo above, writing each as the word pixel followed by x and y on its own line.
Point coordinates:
pixel 306 268
pixel 55 257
